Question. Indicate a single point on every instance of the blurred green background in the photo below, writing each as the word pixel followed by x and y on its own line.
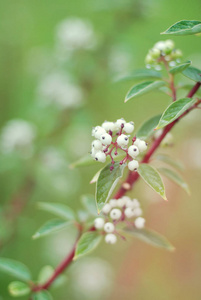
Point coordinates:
pixel 29 52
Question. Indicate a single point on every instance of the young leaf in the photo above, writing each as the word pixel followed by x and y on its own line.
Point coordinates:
pixel 147 128
pixel 140 74
pixel 106 183
pixel 58 209
pixel 193 73
pixel 152 178
pixel 18 289
pixel 15 268
pixel 175 177
pixel 50 227
pixel 142 88
pixel 174 110
pixel 180 68
pixel 150 237
pixel 87 243
pixel 184 27
pixel 90 204
pixel 170 161
pixel 42 295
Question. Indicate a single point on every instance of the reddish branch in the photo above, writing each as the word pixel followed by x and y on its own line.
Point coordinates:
pixel 131 179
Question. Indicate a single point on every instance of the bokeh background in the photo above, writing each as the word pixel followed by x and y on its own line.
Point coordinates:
pixel 54 95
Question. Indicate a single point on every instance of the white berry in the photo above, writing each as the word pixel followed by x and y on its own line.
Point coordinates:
pixel 108 126
pixel 133 165
pixel 129 212
pixel 97 145
pixel 100 156
pixel 133 151
pixel 106 208
pixel 98 131
pixel 115 214
pixel 93 152
pixel 99 223
pixel 113 202
pixel 121 202
pixel 122 140
pixel 110 238
pixel 139 222
pixel 119 123
pixel 129 127
pixel 106 139
pixel 137 212
pixel 142 146
pixel 109 227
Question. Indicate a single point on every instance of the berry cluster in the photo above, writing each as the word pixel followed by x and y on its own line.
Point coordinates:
pixel 163 51
pixel 112 136
pixel 116 211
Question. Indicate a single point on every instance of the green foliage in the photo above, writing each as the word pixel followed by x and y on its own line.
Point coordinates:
pixel 140 74
pixel 42 295
pixel 106 183
pixel 147 128
pixel 175 177
pixel 150 237
pixel 174 111
pixel 184 27
pixel 170 161
pixel 15 269
pixel 89 203
pixel 193 73
pixel 51 227
pixel 83 162
pixel 18 289
pixel 180 68
pixel 87 243
pixel 58 209
pixel 152 178
pixel 143 88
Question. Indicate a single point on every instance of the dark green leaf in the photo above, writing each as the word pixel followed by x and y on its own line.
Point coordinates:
pixel 58 209
pixel 184 27
pixel 106 183
pixel 87 243
pixel 50 227
pixel 170 161
pixel 90 204
pixel 18 289
pixel 150 237
pixel 175 177
pixel 152 178
pixel 147 128
pixel 174 111
pixel 15 268
pixel 142 88
pixel 193 73
pixel 140 74
pixel 180 68
pixel 42 295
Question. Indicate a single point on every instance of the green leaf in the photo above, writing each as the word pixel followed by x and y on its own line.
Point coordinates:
pixel 180 68
pixel 175 177
pixel 152 178
pixel 170 161
pixel 15 268
pixel 95 177
pixel 140 74
pixel 184 27
pixel 42 295
pixel 147 128
pixel 83 162
pixel 106 183
pixel 58 209
pixel 46 272
pixel 142 88
pixel 174 111
pixel 193 73
pixel 87 243
pixel 50 227
pixel 150 237
pixel 89 203
pixel 18 289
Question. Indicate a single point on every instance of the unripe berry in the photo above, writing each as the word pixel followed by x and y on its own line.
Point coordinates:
pixel 110 238
pixel 122 140
pixel 133 165
pixel 129 127
pixel 155 53
pixel 149 59
pixel 108 126
pixel 100 156
pixel 106 139
pixel 170 44
pixel 139 223
pixel 133 151
pixel 97 145
pixel 99 223
pixel 160 45
pixel 129 212
pixel 109 227
pixel 176 54
pixel 98 131
pixel 106 208
pixel 115 214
